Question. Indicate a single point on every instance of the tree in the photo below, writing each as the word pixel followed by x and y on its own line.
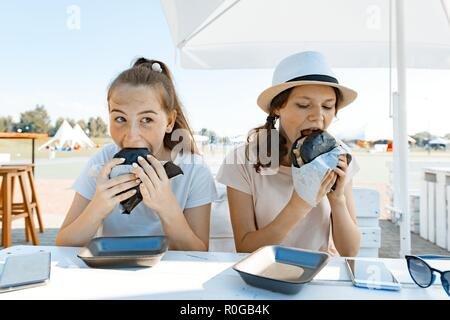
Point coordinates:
pixel 102 127
pixel 212 136
pixel 6 124
pixel 225 140
pixel 97 127
pixel 92 127
pixel 82 124
pixel 422 138
pixel 59 122
pixel 36 120
pixel 72 122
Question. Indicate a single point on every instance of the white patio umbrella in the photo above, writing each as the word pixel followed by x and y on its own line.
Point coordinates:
pixel 224 34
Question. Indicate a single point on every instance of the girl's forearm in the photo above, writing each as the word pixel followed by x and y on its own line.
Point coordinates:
pixel 179 232
pixel 81 230
pixel 277 230
pixel 346 234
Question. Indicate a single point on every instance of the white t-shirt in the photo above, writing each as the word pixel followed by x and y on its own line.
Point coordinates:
pixel 194 188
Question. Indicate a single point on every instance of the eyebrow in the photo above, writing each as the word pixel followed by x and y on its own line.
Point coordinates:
pixel 307 98
pixel 142 112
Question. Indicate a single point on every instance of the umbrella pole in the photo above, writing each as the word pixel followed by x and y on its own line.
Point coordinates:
pixel 401 145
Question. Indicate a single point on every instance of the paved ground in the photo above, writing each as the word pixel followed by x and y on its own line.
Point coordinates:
pixel 46 239
pixel 390 239
pixel 390 242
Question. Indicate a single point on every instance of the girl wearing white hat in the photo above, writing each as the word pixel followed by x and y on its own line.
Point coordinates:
pixel 264 207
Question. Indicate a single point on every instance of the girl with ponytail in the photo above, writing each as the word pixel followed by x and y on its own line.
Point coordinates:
pixel 144 112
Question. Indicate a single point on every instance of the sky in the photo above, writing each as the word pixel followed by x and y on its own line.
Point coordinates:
pixel 64 54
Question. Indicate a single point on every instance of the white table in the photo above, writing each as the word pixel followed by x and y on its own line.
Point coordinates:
pixel 199 275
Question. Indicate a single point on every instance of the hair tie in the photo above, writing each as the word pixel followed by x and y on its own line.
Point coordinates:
pixel 156 67
pixel 271 119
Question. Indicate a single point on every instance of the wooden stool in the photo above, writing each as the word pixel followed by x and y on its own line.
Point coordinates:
pixel 9 210
pixel 29 168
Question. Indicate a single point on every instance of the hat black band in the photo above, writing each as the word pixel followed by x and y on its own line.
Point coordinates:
pixel 315 77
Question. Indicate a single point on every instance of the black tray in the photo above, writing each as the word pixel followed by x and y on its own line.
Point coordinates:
pixel 281 269
pixel 124 252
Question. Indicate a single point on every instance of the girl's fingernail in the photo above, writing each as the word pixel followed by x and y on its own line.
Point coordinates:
pixel 134 165
pixel 140 158
pixel 122 159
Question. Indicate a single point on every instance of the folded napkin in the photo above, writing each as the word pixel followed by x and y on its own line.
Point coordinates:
pixel 312 156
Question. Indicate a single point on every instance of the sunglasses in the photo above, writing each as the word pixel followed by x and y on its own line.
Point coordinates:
pixel 424 275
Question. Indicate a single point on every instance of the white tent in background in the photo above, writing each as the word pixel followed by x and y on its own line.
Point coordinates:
pixel 81 137
pixel 64 134
pixel 68 136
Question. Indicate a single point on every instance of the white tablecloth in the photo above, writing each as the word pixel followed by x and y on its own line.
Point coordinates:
pixel 200 275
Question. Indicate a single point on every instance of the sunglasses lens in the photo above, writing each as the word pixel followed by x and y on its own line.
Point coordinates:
pixel 420 272
pixel 446 281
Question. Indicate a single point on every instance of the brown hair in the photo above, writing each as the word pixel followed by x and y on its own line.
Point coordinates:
pixel 278 102
pixel 142 73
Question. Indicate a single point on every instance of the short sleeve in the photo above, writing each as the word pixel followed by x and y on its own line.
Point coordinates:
pixel 234 171
pixel 202 189
pixel 86 184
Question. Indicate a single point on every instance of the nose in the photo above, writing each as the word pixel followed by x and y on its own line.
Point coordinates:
pixel 133 138
pixel 316 113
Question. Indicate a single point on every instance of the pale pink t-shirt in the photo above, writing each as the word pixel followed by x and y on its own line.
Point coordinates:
pixel 271 192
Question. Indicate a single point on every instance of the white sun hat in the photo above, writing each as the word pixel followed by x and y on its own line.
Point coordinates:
pixel 304 68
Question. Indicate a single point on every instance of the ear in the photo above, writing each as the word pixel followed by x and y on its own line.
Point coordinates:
pixel 172 118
